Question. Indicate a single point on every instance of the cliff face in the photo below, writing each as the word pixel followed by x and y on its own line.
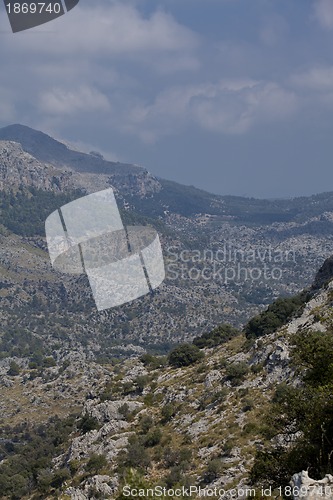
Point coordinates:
pixel 324 274
pixel 18 168
pixel 129 179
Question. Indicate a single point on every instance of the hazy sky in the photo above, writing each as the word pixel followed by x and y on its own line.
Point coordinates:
pixel 233 96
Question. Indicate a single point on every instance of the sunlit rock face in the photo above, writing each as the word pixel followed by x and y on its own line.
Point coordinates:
pixel 302 486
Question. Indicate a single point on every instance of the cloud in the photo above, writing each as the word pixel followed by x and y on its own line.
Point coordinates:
pixel 7 109
pixel 274 30
pixel 58 101
pixel 116 29
pixel 324 13
pixel 228 107
pixel 318 78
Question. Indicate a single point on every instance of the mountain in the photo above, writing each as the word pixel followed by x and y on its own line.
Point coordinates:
pixel 159 197
pixel 233 240
pixel 47 150
pixel 240 414
pixel 220 378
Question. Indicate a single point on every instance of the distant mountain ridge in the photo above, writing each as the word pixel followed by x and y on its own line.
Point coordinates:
pixel 143 192
pixel 129 179
pixel 49 150
pixel 187 220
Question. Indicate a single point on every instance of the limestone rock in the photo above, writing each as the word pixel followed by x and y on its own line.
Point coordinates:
pixel 310 489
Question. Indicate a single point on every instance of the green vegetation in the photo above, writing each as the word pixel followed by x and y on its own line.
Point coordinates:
pixel 236 372
pixel 303 414
pixel 88 423
pixel 27 454
pixel 96 463
pixel 185 355
pixel 24 212
pixel 219 335
pixel 14 369
pixel 276 315
pixel 153 362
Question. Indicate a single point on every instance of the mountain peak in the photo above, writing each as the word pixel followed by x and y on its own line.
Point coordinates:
pixel 47 150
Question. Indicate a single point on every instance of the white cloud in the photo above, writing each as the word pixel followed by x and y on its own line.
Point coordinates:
pixel 115 29
pixel 324 13
pixel 318 78
pixel 59 101
pixel 229 107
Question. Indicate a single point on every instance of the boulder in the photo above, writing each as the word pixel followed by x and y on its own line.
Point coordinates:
pixel 310 489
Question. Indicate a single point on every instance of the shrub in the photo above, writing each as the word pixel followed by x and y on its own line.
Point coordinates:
pixel 59 477
pixel 275 316
pixel 185 355
pixel 124 410
pixel 153 437
pixel 153 362
pixel 49 362
pixel 146 422
pixel 304 414
pixel 136 456
pixel 212 471
pixel 217 336
pixel 88 423
pixel 237 371
pixel 128 388
pixel 141 382
pixel 96 463
pixel 14 369
pixel 174 477
pixel 168 411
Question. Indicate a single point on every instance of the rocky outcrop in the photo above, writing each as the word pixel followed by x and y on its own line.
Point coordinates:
pixel 18 168
pixel 90 168
pixel 302 486
pixel 99 486
pixel 324 275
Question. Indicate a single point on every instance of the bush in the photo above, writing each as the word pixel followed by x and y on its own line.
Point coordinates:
pixel 236 372
pixel 168 412
pixel 212 471
pixel 96 463
pixel 179 456
pixel 88 423
pixel 275 316
pixel 141 382
pixel 49 362
pixel 174 477
pixel 218 336
pixel 303 414
pixel 146 422
pixel 153 437
pixel 153 362
pixel 136 456
pixel 14 369
pixel 185 355
pixel 59 477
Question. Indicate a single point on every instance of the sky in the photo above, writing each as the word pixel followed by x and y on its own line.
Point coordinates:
pixel 231 96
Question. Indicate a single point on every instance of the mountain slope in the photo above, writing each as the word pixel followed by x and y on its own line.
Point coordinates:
pixel 187 304
pixel 145 423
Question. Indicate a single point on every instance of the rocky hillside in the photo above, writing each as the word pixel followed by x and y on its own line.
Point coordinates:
pixel 202 235
pixel 206 417
pixel 129 179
